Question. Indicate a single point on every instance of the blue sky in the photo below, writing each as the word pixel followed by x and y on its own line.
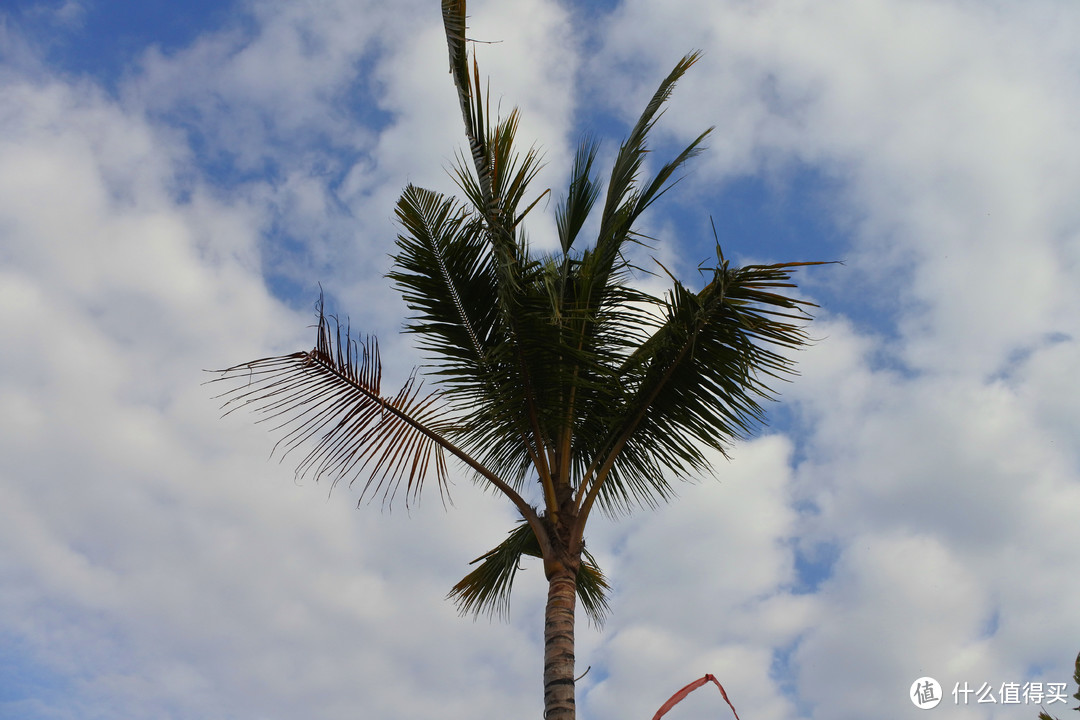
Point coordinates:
pixel 176 182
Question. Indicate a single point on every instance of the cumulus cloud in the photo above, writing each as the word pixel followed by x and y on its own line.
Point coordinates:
pixel 155 563
pixel 914 517
pixel 933 467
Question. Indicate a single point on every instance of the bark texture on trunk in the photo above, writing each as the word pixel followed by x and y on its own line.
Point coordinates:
pixel 559 646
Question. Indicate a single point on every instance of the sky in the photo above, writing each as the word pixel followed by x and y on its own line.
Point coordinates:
pixel 178 180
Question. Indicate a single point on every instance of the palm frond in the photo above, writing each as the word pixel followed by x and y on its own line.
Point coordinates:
pixel 699 381
pixel 600 292
pixel 447 272
pixel 581 196
pixel 444 271
pixel 1076 679
pixel 592 590
pixel 623 204
pixel 487 588
pixel 662 182
pixel 333 393
pixel 498 191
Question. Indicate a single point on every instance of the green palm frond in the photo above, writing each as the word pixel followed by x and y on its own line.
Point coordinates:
pixel 487 588
pixel 698 382
pixel 581 196
pixel 333 392
pixel 507 175
pixel 592 590
pixel 1076 679
pixel 625 202
pixel 444 271
pixel 602 315
pixel 451 275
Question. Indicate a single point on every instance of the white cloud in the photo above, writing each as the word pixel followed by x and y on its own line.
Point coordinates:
pixel 156 563
pixel 947 485
pixel 944 439
pixel 151 556
pixel 704 585
pixel 344 104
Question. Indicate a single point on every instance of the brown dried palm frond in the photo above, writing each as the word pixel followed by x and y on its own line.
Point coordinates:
pixel 333 392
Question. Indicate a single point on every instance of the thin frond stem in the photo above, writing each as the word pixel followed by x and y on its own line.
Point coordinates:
pixel 521 216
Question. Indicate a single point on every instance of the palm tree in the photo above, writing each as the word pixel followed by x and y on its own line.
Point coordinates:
pixel 554 373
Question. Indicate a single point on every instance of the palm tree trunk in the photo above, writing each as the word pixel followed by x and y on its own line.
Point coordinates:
pixel 559 645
